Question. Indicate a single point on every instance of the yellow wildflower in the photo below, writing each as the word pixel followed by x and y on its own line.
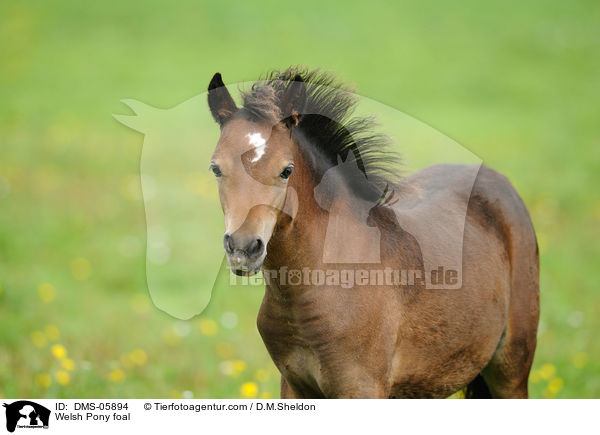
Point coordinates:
pixel 535 377
pixel 47 292
pixel 208 327
pixel 555 385
pixel 138 357
pixel 116 375
pixel 62 377
pixel 81 269
pixel 68 364
pixel 239 366
pixel 43 379
pixel 249 389
pixel 59 351
pixel 262 375
pixel 547 371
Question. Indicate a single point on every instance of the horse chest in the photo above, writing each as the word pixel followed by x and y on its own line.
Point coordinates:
pixel 294 350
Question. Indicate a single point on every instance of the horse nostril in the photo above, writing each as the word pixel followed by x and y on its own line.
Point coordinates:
pixel 228 243
pixel 256 247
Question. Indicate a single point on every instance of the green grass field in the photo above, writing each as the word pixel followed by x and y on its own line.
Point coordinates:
pixel 517 84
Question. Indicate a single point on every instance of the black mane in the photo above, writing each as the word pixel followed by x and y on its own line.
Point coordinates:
pixel 327 123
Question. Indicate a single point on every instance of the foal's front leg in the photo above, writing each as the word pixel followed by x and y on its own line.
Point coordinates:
pixel 358 386
pixel 287 392
pixel 361 392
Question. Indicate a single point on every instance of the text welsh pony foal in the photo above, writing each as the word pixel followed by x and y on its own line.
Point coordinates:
pixel 392 337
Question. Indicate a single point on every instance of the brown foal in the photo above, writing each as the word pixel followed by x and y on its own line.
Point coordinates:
pixel 383 339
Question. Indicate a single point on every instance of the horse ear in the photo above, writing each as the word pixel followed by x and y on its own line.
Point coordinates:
pixel 293 101
pixel 220 102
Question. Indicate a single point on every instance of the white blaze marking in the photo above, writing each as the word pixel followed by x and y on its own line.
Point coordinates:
pixel 259 144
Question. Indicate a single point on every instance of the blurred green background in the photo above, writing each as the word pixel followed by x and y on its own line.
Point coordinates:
pixel 516 83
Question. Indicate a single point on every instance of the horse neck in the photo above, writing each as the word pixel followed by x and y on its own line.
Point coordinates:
pixel 300 244
pixel 296 244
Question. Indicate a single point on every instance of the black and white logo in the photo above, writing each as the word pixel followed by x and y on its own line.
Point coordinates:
pixel 26 414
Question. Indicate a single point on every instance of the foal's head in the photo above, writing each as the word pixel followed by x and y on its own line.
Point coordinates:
pixel 253 162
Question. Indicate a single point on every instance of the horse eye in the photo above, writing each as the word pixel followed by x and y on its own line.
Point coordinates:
pixel 285 174
pixel 215 170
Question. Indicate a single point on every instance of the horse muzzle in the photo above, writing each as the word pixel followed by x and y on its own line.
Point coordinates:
pixel 245 253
